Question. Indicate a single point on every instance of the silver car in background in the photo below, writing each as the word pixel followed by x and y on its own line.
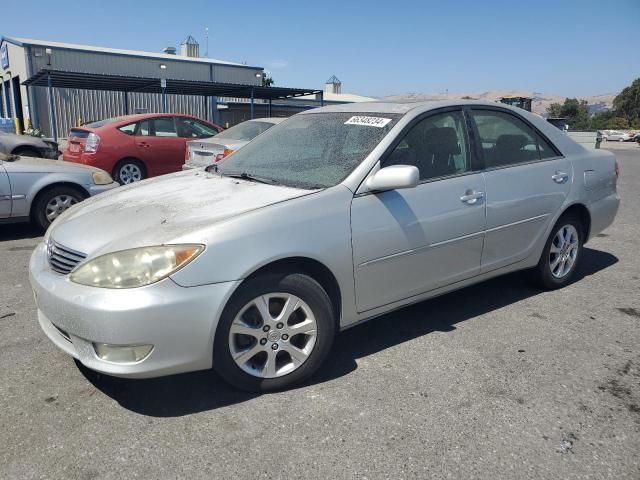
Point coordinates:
pixel 333 217
pixel 39 190
pixel 207 151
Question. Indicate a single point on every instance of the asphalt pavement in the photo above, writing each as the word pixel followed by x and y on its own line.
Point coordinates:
pixel 499 380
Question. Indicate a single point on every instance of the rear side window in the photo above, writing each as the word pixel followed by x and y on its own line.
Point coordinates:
pixel 144 128
pixel 165 127
pixel 507 140
pixel 128 129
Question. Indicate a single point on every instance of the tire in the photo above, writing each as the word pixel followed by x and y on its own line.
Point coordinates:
pixel 27 152
pixel 253 371
pixel 129 171
pixel 559 276
pixel 50 204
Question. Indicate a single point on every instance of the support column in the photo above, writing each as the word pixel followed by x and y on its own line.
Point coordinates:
pixel 125 103
pixel 53 120
pixel 252 104
pixel 164 100
pixel 269 107
pixel 322 99
pixel 5 112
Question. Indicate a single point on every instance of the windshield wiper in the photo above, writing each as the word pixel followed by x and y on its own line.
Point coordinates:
pixel 250 177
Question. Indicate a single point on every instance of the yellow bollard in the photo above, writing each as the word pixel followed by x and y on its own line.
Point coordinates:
pixel 27 124
pixel 16 122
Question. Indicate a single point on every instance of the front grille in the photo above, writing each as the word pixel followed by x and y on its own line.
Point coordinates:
pixel 63 259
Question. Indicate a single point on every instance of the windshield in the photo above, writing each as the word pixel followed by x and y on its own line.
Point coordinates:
pixel 310 151
pixel 245 131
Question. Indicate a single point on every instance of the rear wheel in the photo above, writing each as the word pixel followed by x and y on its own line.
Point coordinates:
pixel 128 171
pixel 561 254
pixel 51 203
pixel 275 332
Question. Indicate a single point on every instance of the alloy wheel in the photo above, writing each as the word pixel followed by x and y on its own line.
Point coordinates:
pixel 564 251
pixel 129 173
pixel 272 335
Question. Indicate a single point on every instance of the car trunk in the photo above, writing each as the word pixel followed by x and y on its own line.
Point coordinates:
pixel 203 153
pixel 76 142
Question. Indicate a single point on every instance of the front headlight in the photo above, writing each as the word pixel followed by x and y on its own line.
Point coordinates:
pixel 136 267
pixel 101 178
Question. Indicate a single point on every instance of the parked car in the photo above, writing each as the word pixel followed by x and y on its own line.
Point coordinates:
pixel 616 136
pixel 636 138
pixel 39 190
pixel 134 147
pixel 28 146
pixel 333 217
pixel 201 153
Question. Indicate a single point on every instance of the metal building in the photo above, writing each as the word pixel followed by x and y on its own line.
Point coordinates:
pixel 23 58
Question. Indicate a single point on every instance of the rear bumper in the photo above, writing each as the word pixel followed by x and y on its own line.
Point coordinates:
pixel 603 213
pixel 179 322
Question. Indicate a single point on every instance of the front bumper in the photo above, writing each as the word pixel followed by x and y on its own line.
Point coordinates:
pixel 179 322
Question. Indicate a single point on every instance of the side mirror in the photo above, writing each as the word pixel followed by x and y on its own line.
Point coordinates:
pixel 394 177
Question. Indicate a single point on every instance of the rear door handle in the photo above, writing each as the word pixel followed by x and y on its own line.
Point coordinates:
pixel 471 196
pixel 560 177
pixel 143 144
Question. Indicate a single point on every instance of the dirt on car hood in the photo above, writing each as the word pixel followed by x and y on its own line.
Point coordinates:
pixel 159 210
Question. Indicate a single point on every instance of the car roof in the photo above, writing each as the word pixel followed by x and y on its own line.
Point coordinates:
pixel 273 120
pixel 125 119
pixel 400 107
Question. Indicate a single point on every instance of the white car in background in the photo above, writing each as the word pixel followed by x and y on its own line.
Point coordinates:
pixel 616 136
pixel 205 152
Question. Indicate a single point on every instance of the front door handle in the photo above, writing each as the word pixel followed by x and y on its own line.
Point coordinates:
pixel 471 197
pixel 560 177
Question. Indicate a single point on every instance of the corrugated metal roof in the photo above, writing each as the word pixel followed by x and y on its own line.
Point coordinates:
pixel 117 51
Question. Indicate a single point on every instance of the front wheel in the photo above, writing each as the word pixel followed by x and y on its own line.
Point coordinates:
pixel 52 203
pixel 275 332
pixel 561 254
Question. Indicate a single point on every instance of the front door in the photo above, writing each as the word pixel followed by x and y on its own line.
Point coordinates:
pixel 406 242
pixel 5 193
pixel 527 183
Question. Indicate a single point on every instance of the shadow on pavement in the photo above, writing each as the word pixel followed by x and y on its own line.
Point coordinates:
pixel 200 391
pixel 18 231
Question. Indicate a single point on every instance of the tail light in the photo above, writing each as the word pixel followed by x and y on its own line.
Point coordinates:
pixel 186 153
pixel 91 145
pixel 220 156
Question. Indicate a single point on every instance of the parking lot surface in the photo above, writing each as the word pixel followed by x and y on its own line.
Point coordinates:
pixel 499 380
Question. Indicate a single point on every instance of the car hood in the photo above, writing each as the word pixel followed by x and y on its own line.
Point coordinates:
pixel 43 165
pixel 161 210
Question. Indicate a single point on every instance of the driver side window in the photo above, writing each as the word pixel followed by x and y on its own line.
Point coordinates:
pixel 436 145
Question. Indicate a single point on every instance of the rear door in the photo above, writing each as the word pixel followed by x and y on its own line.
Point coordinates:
pixel 159 145
pixel 527 182
pixel 5 193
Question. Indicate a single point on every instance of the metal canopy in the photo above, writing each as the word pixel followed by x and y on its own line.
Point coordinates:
pixel 121 83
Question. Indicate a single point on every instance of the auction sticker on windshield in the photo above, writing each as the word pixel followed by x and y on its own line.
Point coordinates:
pixel 368 121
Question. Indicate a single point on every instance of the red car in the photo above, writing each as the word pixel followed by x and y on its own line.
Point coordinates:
pixel 134 147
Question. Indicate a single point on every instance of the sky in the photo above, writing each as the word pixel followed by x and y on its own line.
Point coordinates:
pixel 561 47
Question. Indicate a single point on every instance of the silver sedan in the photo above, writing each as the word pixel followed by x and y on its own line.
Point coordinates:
pixel 333 217
pixel 39 190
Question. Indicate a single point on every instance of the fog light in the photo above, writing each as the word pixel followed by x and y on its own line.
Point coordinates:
pixel 122 353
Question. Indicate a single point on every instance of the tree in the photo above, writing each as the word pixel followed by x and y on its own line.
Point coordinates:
pixel 554 110
pixel 627 103
pixel 574 110
pixel 267 81
pixel 618 123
